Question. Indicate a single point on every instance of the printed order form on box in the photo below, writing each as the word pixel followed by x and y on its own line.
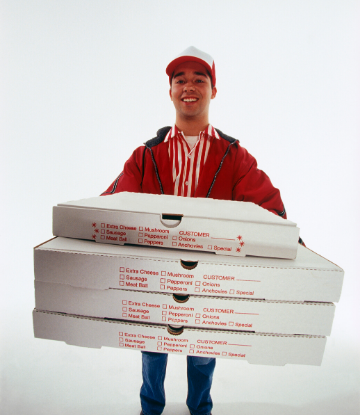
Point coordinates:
pixel 258 316
pixel 86 264
pixel 220 226
pixel 256 348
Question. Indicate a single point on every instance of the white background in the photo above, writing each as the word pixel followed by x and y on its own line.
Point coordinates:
pixel 83 83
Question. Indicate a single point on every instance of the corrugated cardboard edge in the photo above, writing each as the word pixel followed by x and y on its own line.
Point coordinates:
pixel 37 246
pixel 341 269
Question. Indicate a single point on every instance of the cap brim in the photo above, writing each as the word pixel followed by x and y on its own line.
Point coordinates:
pixel 176 62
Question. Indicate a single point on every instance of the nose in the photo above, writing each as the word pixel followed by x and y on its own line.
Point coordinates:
pixel 189 87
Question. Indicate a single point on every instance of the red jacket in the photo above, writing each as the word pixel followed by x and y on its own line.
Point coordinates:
pixel 230 173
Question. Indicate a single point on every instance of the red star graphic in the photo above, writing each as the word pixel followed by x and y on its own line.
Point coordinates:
pixel 238 249
pixel 94 225
pixel 242 243
pixel 239 237
pixel 97 230
pixel 94 236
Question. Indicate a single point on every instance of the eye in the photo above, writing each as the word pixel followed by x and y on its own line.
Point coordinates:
pixel 180 81
pixel 199 81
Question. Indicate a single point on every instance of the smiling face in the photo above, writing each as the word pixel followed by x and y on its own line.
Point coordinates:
pixel 191 93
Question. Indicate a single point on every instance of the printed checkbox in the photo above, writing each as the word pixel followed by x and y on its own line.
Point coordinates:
pixel 224 353
pixel 174 244
pixel 140 241
pixel 192 346
pixel 164 305
pixel 121 283
pixel 103 225
pixel 162 287
pixel 121 339
pixel 141 228
pixel 102 237
pixel 162 280
pixel 232 291
pixel 231 323
pixel 197 315
pixel 197 321
pixel 159 337
pixel 120 333
pixel 191 351
pixel 121 344
pixel 124 309
pixel 102 230
pixel 197 283
pixel 122 269
pixel 197 290
pixel 159 348
pixel 164 313
pixel 141 234
pixel 174 238
pixel 163 318
pixel 124 314
pixel 209 247
pixel 163 274
pixel 122 276
pixel 159 343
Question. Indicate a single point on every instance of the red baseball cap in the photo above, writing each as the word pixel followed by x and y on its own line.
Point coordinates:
pixel 194 55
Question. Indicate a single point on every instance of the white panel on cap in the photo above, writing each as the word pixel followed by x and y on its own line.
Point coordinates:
pixel 193 51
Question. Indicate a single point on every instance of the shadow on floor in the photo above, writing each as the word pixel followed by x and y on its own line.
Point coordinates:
pixel 341 405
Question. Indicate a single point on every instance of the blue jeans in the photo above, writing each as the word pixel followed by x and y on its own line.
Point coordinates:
pixel 199 372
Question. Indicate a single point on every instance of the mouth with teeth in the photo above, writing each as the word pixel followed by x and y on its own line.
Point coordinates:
pixel 189 99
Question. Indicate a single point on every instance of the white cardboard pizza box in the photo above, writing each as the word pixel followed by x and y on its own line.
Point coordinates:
pixel 221 226
pixel 256 348
pixel 258 316
pixel 87 264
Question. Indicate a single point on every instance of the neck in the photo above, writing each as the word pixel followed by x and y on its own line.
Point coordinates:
pixel 191 126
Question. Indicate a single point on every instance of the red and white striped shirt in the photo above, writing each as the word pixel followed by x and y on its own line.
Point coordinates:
pixel 187 163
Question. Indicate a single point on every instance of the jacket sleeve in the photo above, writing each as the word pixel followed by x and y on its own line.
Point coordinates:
pixel 130 179
pixel 253 185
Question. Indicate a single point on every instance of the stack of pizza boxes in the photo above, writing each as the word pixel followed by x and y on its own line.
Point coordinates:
pixel 189 276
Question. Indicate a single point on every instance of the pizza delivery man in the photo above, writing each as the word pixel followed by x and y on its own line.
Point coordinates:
pixel 192 159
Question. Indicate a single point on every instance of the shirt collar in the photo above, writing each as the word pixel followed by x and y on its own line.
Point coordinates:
pixel 209 130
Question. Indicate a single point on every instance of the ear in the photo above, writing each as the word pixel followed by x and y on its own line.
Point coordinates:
pixel 213 92
pixel 170 93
